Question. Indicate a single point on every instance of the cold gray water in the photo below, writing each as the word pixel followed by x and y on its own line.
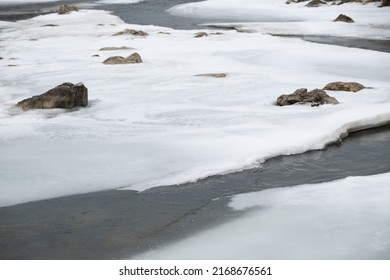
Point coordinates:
pixel 120 224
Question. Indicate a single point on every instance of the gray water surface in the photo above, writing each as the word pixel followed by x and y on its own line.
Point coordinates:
pixel 119 224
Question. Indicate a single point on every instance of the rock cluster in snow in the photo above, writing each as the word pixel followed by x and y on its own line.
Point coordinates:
pixel 315 97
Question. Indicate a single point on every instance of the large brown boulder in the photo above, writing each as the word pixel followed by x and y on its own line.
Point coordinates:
pixel 302 96
pixel 66 95
pixel 133 58
pixel 344 86
pixel 65 9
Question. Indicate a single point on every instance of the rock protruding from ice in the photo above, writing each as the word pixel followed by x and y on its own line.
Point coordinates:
pixel 114 48
pixel 200 34
pixel 294 1
pixel 212 75
pixel 66 95
pixel 315 3
pixel 131 59
pixel 344 18
pixel 344 86
pixel 65 9
pixel 131 32
pixel 301 96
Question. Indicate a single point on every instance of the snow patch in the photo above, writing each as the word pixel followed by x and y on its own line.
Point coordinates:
pixel 343 219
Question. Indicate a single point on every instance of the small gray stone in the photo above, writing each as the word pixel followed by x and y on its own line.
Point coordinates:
pixel 344 18
pixel 131 32
pixel 344 86
pixel 131 59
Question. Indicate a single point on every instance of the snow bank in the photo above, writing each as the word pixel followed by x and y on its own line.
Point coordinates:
pixel 275 17
pixel 277 10
pixel 156 123
pixel 344 219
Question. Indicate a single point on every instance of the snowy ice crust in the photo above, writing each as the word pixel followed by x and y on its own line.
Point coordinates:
pixel 155 123
pixel 343 219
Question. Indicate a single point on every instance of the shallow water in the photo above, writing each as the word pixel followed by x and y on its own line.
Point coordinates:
pixel 120 224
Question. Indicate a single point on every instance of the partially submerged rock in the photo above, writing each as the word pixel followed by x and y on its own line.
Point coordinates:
pixel 131 32
pixel 301 96
pixel 344 18
pixel 344 86
pixel 212 75
pixel 66 95
pixel 65 9
pixel 133 58
pixel 114 48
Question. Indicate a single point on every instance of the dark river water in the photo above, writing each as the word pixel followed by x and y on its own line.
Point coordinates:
pixel 119 224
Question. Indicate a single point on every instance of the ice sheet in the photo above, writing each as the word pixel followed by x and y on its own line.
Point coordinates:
pixel 344 219
pixel 156 123
pixel 275 17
